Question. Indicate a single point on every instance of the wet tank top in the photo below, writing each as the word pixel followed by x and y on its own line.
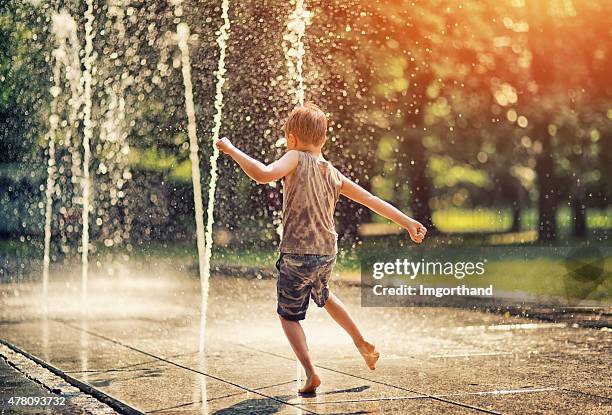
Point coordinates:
pixel 310 195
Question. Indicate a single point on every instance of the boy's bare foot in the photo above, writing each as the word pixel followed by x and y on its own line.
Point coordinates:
pixel 369 353
pixel 311 385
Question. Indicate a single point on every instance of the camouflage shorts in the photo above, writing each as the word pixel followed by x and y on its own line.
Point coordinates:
pixel 300 278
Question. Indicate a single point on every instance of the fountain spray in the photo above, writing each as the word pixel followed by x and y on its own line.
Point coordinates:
pixel 87 135
pixel 300 24
pixel 294 47
pixel 69 41
pixel 182 32
pixel 222 38
pixel 51 170
pixel 294 55
pixel 114 148
pixel 64 28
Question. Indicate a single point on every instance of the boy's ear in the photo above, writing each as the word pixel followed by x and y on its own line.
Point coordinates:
pixel 324 141
pixel 292 139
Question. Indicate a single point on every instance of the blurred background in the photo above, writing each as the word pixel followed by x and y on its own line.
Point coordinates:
pixel 488 121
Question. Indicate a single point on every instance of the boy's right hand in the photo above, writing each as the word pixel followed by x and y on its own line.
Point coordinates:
pixel 224 145
pixel 416 230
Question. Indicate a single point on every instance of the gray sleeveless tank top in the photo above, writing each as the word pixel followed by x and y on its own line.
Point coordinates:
pixel 310 195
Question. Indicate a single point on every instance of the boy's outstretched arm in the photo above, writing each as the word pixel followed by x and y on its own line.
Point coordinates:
pixel 255 169
pixel 357 193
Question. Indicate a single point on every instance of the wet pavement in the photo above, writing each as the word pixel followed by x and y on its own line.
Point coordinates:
pixel 137 337
pixel 16 384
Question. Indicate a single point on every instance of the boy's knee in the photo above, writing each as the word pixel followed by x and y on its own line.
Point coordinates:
pixel 330 300
pixel 291 318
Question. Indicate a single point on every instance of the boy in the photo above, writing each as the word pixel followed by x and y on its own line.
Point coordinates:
pixel 311 187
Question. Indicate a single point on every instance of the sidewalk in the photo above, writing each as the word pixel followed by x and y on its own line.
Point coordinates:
pixel 15 384
pixel 137 340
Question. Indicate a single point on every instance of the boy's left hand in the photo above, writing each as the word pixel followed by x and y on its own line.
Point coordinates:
pixel 416 230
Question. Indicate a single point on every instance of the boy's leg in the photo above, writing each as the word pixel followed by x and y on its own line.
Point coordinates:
pixel 297 339
pixel 340 314
pixel 293 295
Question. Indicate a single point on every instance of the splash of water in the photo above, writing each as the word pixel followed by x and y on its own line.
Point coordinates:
pixel 51 169
pixel 87 135
pixel 64 28
pixel 113 154
pixel 294 47
pixel 222 38
pixel 200 391
pixel 294 55
pixel 74 75
pixel 113 215
pixel 182 32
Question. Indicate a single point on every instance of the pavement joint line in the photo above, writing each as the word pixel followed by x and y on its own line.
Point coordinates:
pixel 382 398
pixel 184 367
pixel 587 394
pixel 127 368
pixel 483 354
pixel 501 392
pixel 508 327
pixel 424 395
pixel 260 388
pixel 102 371
pixel 218 397
pixel 87 389
pixel 403 398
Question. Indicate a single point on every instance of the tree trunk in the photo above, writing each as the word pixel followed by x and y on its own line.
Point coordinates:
pixel 547 203
pixel 579 215
pixel 517 211
pixel 605 169
pixel 541 31
pixel 516 217
pixel 578 199
pixel 414 162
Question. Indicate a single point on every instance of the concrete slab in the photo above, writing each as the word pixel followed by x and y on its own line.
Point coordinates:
pixel 554 402
pixel 406 406
pixel 138 341
pixel 71 350
pixel 159 386
pixel 15 384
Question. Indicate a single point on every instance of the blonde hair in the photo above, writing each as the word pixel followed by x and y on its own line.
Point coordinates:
pixel 308 123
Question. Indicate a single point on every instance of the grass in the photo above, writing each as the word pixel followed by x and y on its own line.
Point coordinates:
pixel 491 220
pixel 545 277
